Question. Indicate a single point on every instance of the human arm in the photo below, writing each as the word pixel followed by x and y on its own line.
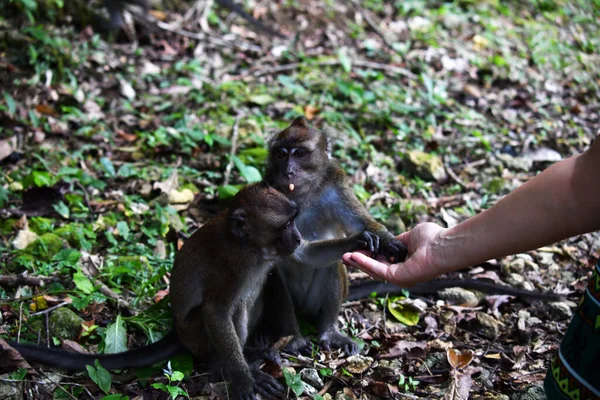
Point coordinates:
pixel 562 201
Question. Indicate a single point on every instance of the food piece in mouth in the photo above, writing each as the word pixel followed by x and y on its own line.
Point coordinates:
pixel 291 187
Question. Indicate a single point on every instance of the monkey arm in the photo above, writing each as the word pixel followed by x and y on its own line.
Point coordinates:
pixel 354 217
pixel 323 253
pixel 227 348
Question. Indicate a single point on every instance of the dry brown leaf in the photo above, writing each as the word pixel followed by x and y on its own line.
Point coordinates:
pixel 46 110
pixel 310 112
pixel 11 360
pixel 459 360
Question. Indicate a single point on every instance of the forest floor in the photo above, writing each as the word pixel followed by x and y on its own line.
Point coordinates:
pixel 106 145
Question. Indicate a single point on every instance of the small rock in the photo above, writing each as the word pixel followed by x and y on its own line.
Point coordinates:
pixel 495 396
pixel 517 265
pixel 358 364
pixel 515 279
pixel 459 296
pixel 63 323
pixel 487 325
pixel 560 310
pixel 149 68
pixel 50 381
pixel 545 259
pixel 309 390
pixel 531 393
pixel 311 376
pixel 424 165
pixel 10 390
pixel 516 163
pixel 126 90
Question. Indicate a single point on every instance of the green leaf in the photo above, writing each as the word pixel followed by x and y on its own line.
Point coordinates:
pixel 109 168
pixel 115 397
pixel 82 282
pixel 115 340
pixel 294 382
pixel 228 191
pixel 175 391
pixel 10 103
pixel 261 99
pixel 100 376
pixel 177 376
pixel 67 258
pixel 62 209
pixel 41 178
pixel 404 313
pixel 345 61
pixel 249 173
pixel 318 397
pixel 123 229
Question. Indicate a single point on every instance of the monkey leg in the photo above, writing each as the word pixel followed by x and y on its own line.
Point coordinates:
pixel 331 302
pixel 278 317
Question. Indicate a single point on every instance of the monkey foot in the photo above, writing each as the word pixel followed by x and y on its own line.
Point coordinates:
pixel 266 385
pixel 337 340
pixel 299 344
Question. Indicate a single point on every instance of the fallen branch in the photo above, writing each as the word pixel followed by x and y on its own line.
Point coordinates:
pixel 234 139
pixel 17 280
pixel 372 24
pixel 389 69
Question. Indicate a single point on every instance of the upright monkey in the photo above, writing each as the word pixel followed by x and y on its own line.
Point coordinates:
pixel 313 279
pixel 216 282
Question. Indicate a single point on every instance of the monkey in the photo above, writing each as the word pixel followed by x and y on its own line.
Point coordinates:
pixel 362 290
pixel 215 293
pixel 312 282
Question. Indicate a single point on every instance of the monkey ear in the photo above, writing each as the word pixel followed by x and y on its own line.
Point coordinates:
pixel 300 122
pixel 238 222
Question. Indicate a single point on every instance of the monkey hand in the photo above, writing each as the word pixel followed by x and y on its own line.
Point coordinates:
pixel 367 241
pixel 266 385
pixel 393 249
pixel 425 260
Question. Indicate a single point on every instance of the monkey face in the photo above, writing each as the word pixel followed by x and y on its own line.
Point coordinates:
pixel 289 239
pixel 264 216
pixel 297 157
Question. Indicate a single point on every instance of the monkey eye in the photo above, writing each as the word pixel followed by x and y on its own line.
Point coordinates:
pixel 299 153
pixel 280 153
pixel 287 224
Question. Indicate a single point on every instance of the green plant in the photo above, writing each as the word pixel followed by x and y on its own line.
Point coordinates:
pixel 174 377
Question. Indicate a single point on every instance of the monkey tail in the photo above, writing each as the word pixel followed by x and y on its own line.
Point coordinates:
pixel 363 290
pixel 144 356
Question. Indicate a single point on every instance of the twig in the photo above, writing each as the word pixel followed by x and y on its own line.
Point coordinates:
pixel 372 24
pixel 203 22
pixel 20 322
pixel 50 309
pixel 207 38
pixel 390 69
pixel 86 198
pixel 234 139
pixel 453 175
pixel 16 280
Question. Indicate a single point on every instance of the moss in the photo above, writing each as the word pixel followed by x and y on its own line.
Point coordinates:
pixel 63 323
pixel 47 246
pixel 72 233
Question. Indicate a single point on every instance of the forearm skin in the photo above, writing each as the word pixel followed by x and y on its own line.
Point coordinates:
pixel 561 202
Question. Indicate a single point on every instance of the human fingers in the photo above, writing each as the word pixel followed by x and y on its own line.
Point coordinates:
pixel 376 269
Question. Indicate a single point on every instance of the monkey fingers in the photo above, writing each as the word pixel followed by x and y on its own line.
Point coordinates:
pixel 337 340
pixel 265 384
pixel 394 250
pixel 372 242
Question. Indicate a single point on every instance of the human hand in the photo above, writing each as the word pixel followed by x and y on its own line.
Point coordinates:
pixel 421 265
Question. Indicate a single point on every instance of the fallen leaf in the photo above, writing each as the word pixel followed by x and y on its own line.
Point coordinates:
pixel 459 360
pixel 11 360
pixel 161 294
pixel 310 112
pixel 7 147
pixel 46 110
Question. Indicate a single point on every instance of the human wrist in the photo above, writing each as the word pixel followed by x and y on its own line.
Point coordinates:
pixel 443 254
